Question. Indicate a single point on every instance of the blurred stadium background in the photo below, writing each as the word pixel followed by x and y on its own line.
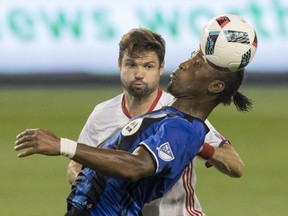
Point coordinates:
pixel 58 59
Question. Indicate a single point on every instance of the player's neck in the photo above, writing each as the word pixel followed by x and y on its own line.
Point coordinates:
pixel 199 108
pixel 139 106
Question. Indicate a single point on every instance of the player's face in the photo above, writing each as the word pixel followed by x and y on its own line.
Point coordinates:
pixel 140 75
pixel 192 77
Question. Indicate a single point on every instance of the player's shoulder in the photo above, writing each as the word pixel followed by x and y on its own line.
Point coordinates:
pixel 111 103
pixel 166 95
pixel 166 99
pixel 107 107
pixel 172 117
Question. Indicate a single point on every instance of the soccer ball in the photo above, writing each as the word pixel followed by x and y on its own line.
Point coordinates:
pixel 228 41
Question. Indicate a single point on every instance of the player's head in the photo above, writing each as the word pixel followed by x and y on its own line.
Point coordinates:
pixel 197 79
pixel 141 61
pixel 140 40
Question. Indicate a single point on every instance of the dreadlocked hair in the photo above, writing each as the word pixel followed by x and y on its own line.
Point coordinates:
pixel 232 81
pixel 241 102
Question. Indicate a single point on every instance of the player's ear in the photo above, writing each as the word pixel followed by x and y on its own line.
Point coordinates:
pixel 161 69
pixel 119 65
pixel 216 86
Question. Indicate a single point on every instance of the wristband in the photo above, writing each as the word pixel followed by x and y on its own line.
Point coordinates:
pixel 207 151
pixel 67 147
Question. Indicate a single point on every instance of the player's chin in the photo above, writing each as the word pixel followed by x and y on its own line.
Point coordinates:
pixel 137 92
pixel 170 87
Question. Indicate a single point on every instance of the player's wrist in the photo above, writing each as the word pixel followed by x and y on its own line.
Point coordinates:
pixel 206 151
pixel 67 147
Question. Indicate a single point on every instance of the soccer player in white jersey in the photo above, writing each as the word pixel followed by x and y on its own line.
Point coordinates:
pixel 140 79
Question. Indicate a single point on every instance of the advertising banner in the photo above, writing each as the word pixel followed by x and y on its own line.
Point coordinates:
pixel 72 36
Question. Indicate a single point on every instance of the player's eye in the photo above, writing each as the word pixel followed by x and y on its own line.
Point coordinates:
pixel 149 66
pixel 130 64
pixel 198 62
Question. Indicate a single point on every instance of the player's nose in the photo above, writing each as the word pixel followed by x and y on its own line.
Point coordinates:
pixel 139 73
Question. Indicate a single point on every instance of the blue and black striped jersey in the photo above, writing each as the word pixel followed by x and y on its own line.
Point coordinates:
pixel 173 139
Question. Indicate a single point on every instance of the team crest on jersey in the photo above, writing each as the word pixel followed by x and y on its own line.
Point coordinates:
pixel 132 127
pixel 165 152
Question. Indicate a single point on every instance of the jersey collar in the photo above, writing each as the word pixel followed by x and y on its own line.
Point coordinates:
pixel 152 107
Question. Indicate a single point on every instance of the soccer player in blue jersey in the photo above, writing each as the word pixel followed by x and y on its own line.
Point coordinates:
pixel 145 158
pixel 140 75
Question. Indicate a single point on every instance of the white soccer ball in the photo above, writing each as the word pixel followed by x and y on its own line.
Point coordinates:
pixel 228 41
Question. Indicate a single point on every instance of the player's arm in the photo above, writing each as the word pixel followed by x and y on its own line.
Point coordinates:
pixel 227 160
pixel 114 163
pixel 224 158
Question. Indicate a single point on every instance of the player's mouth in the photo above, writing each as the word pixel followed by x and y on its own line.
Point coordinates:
pixel 173 77
pixel 138 84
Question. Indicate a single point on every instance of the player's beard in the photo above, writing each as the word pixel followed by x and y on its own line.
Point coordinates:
pixel 138 92
pixel 170 88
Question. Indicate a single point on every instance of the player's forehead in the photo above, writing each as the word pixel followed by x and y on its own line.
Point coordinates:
pixel 197 54
pixel 146 56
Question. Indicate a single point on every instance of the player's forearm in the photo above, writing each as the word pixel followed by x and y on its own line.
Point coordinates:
pixel 114 163
pixel 226 160
pixel 119 164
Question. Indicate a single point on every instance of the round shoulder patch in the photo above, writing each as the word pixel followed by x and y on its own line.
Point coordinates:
pixel 132 127
pixel 165 152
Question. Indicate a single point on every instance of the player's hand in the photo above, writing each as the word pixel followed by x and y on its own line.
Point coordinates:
pixel 37 141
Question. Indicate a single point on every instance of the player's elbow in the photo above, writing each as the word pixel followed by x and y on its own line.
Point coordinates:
pixel 141 164
pixel 131 175
pixel 237 171
pixel 136 171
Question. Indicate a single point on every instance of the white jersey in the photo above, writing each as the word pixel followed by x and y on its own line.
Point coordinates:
pixel 181 199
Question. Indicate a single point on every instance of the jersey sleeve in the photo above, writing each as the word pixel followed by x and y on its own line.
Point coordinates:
pixel 85 136
pixel 213 138
pixel 173 146
pixel 104 120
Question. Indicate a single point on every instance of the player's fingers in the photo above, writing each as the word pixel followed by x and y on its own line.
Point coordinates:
pixel 24 145
pixel 26 132
pixel 26 153
pixel 24 139
pixel 23 133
